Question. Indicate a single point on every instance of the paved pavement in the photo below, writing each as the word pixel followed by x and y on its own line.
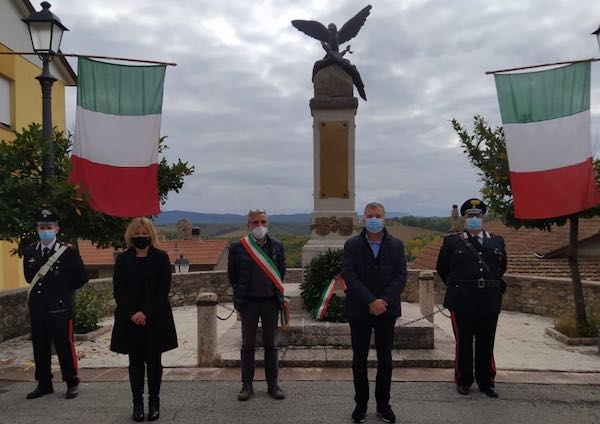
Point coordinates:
pixel 521 344
pixel 540 381
pixel 307 402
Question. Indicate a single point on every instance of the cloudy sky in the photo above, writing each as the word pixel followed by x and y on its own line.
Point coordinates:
pixel 236 106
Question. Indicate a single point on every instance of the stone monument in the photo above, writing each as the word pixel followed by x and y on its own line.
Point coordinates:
pixel 333 109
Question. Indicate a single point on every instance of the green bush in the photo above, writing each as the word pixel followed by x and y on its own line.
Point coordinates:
pixel 91 305
pixel 317 276
pixel 567 324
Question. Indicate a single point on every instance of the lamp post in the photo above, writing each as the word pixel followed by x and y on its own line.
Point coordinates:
pixel 597 34
pixel 182 265
pixel 46 30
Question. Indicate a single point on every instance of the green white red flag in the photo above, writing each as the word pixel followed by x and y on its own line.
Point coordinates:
pixel 336 282
pixel 117 130
pixel 546 122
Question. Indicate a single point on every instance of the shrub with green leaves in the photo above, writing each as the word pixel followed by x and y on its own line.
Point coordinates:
pixel 91 305
pixel 317 276
pixel 567 324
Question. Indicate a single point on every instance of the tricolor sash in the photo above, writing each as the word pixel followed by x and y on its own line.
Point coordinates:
pixel 321 310
pixel 265 263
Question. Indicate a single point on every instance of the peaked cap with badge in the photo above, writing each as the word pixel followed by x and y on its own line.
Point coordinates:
pixel 47 217
pixel 473 205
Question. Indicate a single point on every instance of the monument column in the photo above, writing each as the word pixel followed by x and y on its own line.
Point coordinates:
pixel 333 108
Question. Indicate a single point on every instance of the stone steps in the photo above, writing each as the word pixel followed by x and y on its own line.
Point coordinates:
pixel 304 331
pixel 308 343
pixel 342 358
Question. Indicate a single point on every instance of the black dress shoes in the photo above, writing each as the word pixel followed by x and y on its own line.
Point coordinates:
pixel 489 391
pixel 153 410
pixel 246 393
pixel 462 390
pixel 138 411
pixel 359 414
pixel 41 390
pixel 72 392
pixel 276 393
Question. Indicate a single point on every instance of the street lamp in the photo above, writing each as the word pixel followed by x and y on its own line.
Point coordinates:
pixel 182 265
pixel 597 34
pixel 46 30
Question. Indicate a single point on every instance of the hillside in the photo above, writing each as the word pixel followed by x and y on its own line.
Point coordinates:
pixel 171 217
pixel 407 232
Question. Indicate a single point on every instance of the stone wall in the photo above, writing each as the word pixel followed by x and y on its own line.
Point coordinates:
pixel 14 318
pixel 524 293
pixel 535 295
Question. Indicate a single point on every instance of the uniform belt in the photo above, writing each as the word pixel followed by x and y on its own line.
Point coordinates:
pixel 480 284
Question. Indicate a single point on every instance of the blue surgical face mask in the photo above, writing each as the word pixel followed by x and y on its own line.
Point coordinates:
pixel 374 225
pixel 46 236
pixel 474 223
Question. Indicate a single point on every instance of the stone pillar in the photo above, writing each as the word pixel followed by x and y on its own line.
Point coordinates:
pixel 206 304
pixel 333 109
pixel 426 294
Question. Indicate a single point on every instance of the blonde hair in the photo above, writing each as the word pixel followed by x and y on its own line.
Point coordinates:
pixel 147 224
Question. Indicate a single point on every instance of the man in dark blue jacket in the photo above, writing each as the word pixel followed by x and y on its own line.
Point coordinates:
pixel 374 269
pixel 253 263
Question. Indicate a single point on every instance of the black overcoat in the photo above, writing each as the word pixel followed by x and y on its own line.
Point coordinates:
pixel 159 333
pixel 368 278
pixel 470 287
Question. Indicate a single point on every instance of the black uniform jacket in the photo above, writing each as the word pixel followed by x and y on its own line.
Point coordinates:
pixel 369 278
pixel 55 292
pixel 241 267
pixel 470 288
pixel 148 293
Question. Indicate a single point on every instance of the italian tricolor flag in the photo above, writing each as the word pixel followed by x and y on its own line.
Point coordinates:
pixel 117 129
pixel 321 310
pixel 546 121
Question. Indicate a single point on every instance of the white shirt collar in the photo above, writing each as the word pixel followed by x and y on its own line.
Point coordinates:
pixel 51 246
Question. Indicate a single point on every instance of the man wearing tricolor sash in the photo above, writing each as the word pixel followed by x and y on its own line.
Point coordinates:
pixel 256 268
pixel 374 269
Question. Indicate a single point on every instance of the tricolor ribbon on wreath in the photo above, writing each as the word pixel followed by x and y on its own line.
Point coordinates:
pixel 265 263
pixel 335 283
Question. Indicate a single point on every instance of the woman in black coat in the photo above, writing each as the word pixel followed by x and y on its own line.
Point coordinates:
pixel 144 325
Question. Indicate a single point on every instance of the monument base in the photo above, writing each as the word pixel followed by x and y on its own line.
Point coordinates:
pixel 313 247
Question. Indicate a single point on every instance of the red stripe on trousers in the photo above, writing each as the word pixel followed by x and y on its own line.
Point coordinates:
pixel 117 191
pixel 457 337
pixel 554 192
pixel 72 344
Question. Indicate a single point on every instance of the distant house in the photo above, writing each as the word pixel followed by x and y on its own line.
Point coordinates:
pixel 535 252
pixel 203 255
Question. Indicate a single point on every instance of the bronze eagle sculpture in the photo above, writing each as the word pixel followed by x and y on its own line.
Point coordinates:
pixel 331 39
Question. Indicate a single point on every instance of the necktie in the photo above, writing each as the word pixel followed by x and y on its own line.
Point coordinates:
pixel 46 250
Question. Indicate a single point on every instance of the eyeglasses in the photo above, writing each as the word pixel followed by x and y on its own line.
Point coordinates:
pixel 254 211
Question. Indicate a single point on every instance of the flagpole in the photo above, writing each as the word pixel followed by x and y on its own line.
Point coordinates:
pixel 592 59
pixel 125 59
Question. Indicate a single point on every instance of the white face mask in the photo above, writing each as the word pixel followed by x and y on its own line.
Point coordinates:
pixel 259 232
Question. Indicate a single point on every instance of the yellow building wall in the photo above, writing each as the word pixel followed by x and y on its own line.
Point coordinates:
pixel 27 108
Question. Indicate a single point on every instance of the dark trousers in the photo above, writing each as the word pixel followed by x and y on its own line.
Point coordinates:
pixel 467 326
pixel 141 360
pixel 361 340
pixel 268 312
pixel 57 330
